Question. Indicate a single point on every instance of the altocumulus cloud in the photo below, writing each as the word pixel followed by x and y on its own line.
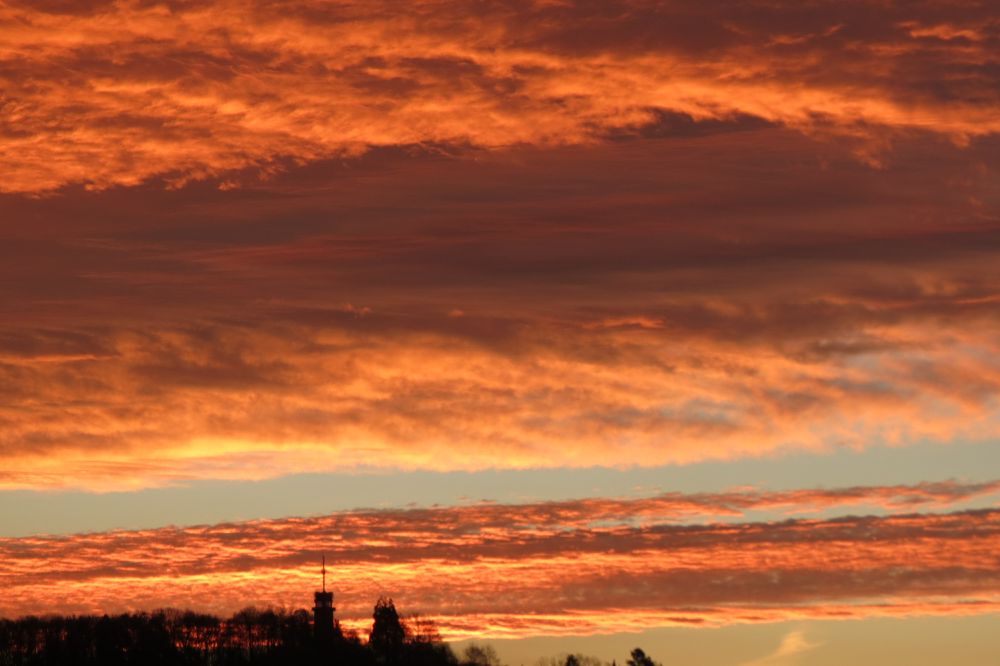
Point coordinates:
pixel 118 92
pixel 588 566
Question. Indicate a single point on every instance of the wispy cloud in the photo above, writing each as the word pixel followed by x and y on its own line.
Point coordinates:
pixel 590 566
pixel 792 645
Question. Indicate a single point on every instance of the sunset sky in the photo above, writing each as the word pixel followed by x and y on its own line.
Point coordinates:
pixel 572 326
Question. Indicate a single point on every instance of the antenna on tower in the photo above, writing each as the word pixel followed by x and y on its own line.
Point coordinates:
pixel 323 622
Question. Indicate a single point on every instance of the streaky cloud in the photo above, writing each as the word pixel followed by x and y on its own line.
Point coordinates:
pixel 590 566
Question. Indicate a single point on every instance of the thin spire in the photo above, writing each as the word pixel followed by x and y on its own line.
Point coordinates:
pixel 324 573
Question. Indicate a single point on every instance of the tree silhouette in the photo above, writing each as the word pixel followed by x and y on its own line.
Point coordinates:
pixel 639 658
pixel 387 635
pixel 252 636
pixel 572 659
pixel 481 655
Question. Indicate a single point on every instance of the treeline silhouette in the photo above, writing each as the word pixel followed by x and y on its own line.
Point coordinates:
pixel 252 636
pixel 185 638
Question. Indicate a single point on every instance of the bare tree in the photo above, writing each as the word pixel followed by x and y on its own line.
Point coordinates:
pixel 481 655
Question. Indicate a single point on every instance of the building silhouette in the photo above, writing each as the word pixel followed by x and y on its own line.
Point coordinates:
pixel 323 610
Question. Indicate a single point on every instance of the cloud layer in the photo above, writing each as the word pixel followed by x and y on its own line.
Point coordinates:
pixel 588 566
pixel 114 93
pixel 459 236
pixel 245 239
pixel 650 301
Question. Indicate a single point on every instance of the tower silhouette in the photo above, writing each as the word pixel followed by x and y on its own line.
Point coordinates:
pixel 323 610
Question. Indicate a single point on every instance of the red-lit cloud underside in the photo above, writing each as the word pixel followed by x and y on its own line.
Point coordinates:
pixel 644 301
pixel 435 235
pixel 108 93
pixel 588 566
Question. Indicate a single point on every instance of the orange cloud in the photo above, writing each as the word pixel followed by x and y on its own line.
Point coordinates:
pixel 583 567
pixel 117 93
pixel 220 403
pixel 742 293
